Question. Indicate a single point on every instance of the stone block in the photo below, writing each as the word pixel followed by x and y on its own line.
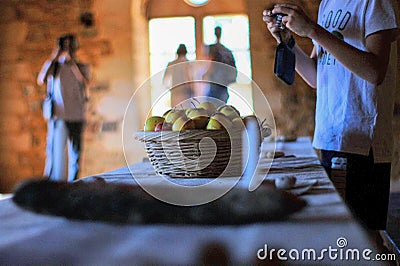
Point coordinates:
pixel 19 175
pixel 7 184
pixel 35 107
pixel 9 125
pixel 9 90
pixel 14 106
pixel 16 142
pixel 38 33
pixel 29 90
pixel 13 33
pixel 9 54
pixel 9 160
pixel 8 12
pixel 86 3
pixel 6 70
pixel 24 72
pixel 33 13
pixel 39 141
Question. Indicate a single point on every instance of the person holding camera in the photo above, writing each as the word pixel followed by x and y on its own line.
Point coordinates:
pixel 67 81
pixel 352 66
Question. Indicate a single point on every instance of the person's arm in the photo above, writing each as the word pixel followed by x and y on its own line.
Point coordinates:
pixel 42 76
pixel 211 59
pixel 48 67
pixel 306 66
pixel 78 73
pixel 167 76
pixel 83 75
pixel 189 75
pixel 370 65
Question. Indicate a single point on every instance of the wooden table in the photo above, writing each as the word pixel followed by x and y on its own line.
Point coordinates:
pixel 30 238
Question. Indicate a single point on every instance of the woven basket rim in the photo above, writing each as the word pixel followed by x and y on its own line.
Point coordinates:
pixel 195 134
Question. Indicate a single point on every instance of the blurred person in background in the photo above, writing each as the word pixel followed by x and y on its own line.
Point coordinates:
pixel 178 76
pixel 224 72
pixel 68 82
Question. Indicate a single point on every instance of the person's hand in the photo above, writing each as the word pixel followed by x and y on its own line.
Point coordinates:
pixel 270 20
pixel 67 56
pixel 55 54
pixel 296 20
pixel 63 57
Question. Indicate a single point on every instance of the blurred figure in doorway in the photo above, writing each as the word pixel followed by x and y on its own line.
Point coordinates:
pixel 177 77
pixel 220 75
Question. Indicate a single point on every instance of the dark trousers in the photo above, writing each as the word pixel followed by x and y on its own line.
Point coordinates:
pixel 65 133
pixel 75 138
pixel 219 92
pixel 367 186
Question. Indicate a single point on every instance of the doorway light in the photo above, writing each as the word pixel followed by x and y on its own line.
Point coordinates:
pixel 196 3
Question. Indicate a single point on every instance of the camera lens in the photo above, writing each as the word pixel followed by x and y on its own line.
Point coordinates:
pixel 278 22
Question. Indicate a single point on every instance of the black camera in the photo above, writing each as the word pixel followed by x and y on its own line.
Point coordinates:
pixel 278 17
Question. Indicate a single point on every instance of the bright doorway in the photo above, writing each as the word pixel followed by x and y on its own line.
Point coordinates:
pixel 165 35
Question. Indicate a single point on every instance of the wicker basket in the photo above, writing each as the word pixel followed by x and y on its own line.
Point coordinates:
pixel 194 153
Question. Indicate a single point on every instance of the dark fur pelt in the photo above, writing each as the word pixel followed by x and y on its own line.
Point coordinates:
pixel 128 204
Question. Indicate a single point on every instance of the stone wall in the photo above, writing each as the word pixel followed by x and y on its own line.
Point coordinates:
pixel 29 33
pixel 116 46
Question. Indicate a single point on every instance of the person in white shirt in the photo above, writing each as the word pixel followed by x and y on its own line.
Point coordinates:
pixel 67 80
pixel 178 77
pixel 352 66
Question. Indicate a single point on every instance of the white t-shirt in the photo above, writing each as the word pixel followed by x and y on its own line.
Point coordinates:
pixel 68 93
pixel 178 72
pixel 352 114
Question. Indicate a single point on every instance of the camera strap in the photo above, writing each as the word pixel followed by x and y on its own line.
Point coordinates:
pixel 280 36
pixel 285 62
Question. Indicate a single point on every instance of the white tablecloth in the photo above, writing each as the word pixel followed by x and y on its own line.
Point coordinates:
pixel 30 238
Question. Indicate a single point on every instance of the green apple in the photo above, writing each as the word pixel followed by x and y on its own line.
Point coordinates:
pixel 166 113
pixel 213 124
pixel 183 123
pixel 188 110
pixel 173 115
pixel 208 106
pixel 229 111
pixel 237 123
pixel 151 122
pixel 199 116
pixel 219 121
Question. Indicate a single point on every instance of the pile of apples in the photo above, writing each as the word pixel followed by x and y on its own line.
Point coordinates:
pixel 205 116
